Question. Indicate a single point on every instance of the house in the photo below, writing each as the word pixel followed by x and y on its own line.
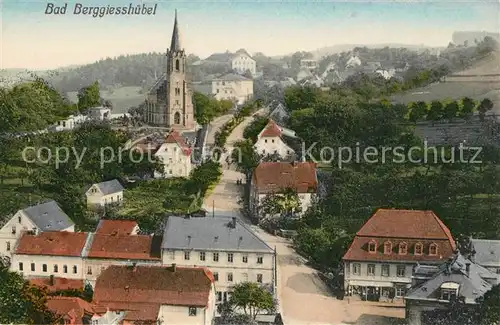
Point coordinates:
pixel 118 248
pixel 354 61
pixel 53 284
pixel 226 246
pixel 117 227
pixel 384 252
pixel 457 279
pixel 279 114
pixel 271 141
pixel 242 62
pixel 175 155
pixel 104 193
pixel 71 310
pixel 42 217
pixel 50 253
pixel 99 113
pixel 170 295
pixel 314 80
pixel 232 87
pixel 486 252
pixel 70 123
pixel 274 177
pixel 309 64
pixel 303 74
pixel 386 73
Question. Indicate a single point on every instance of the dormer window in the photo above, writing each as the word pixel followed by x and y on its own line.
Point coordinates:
pixel 372 247
pixel 433 249
pixel 403 248
pixel 387 247
pixel 449 291
pixel 418 249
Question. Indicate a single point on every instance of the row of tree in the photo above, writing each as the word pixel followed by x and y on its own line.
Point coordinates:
pixel 438 110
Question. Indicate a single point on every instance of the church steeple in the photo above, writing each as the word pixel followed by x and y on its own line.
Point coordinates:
pixel 175 45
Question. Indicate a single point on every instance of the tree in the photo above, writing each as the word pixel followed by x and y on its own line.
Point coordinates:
pixel 489 310
pixel 252 299
pixel 89 96
pixel 21 302
pixel 485 106
pixel 468 107
pixel 436 111
pixel 245 158
pixel 253 129
pixel 418 111
pixel 285 203
pixel 451 110
pixel 206 108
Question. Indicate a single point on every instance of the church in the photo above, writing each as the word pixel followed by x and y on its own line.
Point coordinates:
pixel 169 102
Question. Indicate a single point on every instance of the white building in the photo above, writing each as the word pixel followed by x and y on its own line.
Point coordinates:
pixel 354 61
pixel 226 246
pixel 157 294
pixel 233 87
pixel 275 177
pixel 101 194
pixel 175 155
pixel 242 62
pixel 381 259
pixel 38 218
pixel 309 64
pixel 70 123
pixel 56 253
pixel 100 113
pixel 270 141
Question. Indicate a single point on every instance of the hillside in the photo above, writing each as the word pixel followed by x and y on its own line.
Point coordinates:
pixel 329 50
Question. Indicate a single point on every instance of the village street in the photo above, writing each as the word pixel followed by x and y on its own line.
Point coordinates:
pixel 304 298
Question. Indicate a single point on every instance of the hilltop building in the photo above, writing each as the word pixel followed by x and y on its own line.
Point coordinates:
pixel 169 102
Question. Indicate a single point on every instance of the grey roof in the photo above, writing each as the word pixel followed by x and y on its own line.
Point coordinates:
pixel 175 44
pixel 472 284
pixel 220 57
pixel 109 187
pixel 48 216
pixel 231 77
pixel 487 252
pixel 211 233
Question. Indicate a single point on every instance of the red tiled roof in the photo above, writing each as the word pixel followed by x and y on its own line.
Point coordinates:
pixel 136 311
pixel 58 284
pixel 275 176
pixel 72 306
pixel 402 226
pixel 131 247
pixel 175 137
pixel 405 224
pixel 271 130
pixel 153 285
pixel 110 227
pixel 57 243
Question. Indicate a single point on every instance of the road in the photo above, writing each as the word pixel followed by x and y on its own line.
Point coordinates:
pixel 304 298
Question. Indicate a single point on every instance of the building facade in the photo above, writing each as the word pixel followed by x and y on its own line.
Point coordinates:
pixel 270 142
pixel 104 193
pixel 380 261
pixel 224 245
pixel 242 62
pixel 175 155
pixel 169 102
pixel 232 87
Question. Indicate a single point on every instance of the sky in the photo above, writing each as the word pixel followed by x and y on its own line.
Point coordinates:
pixel 31 39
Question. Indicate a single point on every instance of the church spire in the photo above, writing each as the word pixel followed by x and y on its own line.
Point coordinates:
pixel 175 45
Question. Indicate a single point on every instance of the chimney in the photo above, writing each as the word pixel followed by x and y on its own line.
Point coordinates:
pixel 233 223
pixel 174 267
pixel 467 268
pixel 51 279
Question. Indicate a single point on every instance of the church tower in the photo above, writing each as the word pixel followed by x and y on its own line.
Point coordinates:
pixel 179 112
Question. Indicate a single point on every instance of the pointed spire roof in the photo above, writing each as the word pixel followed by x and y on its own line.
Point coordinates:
pixel 175 45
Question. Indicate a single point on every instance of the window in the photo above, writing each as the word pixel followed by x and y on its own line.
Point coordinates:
pixel 387 247
pixel 32 267
pixel 223 83
pixel 65 268
pixel 260 259
pixel 371 269
pixel 418 249
pixel 8 246
pixel 75 270
pixel 448 294
pixel 385 270
pixel 13 230
pixel 244 277
pixel 20 266
pixel 89 270
pixel 216 257
pixel 95 322
pixel 176 102
pixel 216 276
pixel 56 268
pixel 44 267
pixel 217 91
pixel 403 248
pixel 245 258
pixel 230 277
pixel 19 219
pixel 177 66
pixel 202 256
pixel 187 255
pixel 219 296
pixel 433 249
pixel 259 278
pixel 401 271
pixel 356 269
pixel 192 311
pixel 230 257
pixel 265 140
pixel 372 247
pixel 400 291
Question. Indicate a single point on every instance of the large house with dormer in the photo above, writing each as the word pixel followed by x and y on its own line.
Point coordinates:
pixel 38 218
pixel 271 141
pixel 175 155
pixel 233 87
pixel 381 259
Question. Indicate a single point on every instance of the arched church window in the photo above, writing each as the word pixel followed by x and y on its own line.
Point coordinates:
pixel 177 118
pixel 177 65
